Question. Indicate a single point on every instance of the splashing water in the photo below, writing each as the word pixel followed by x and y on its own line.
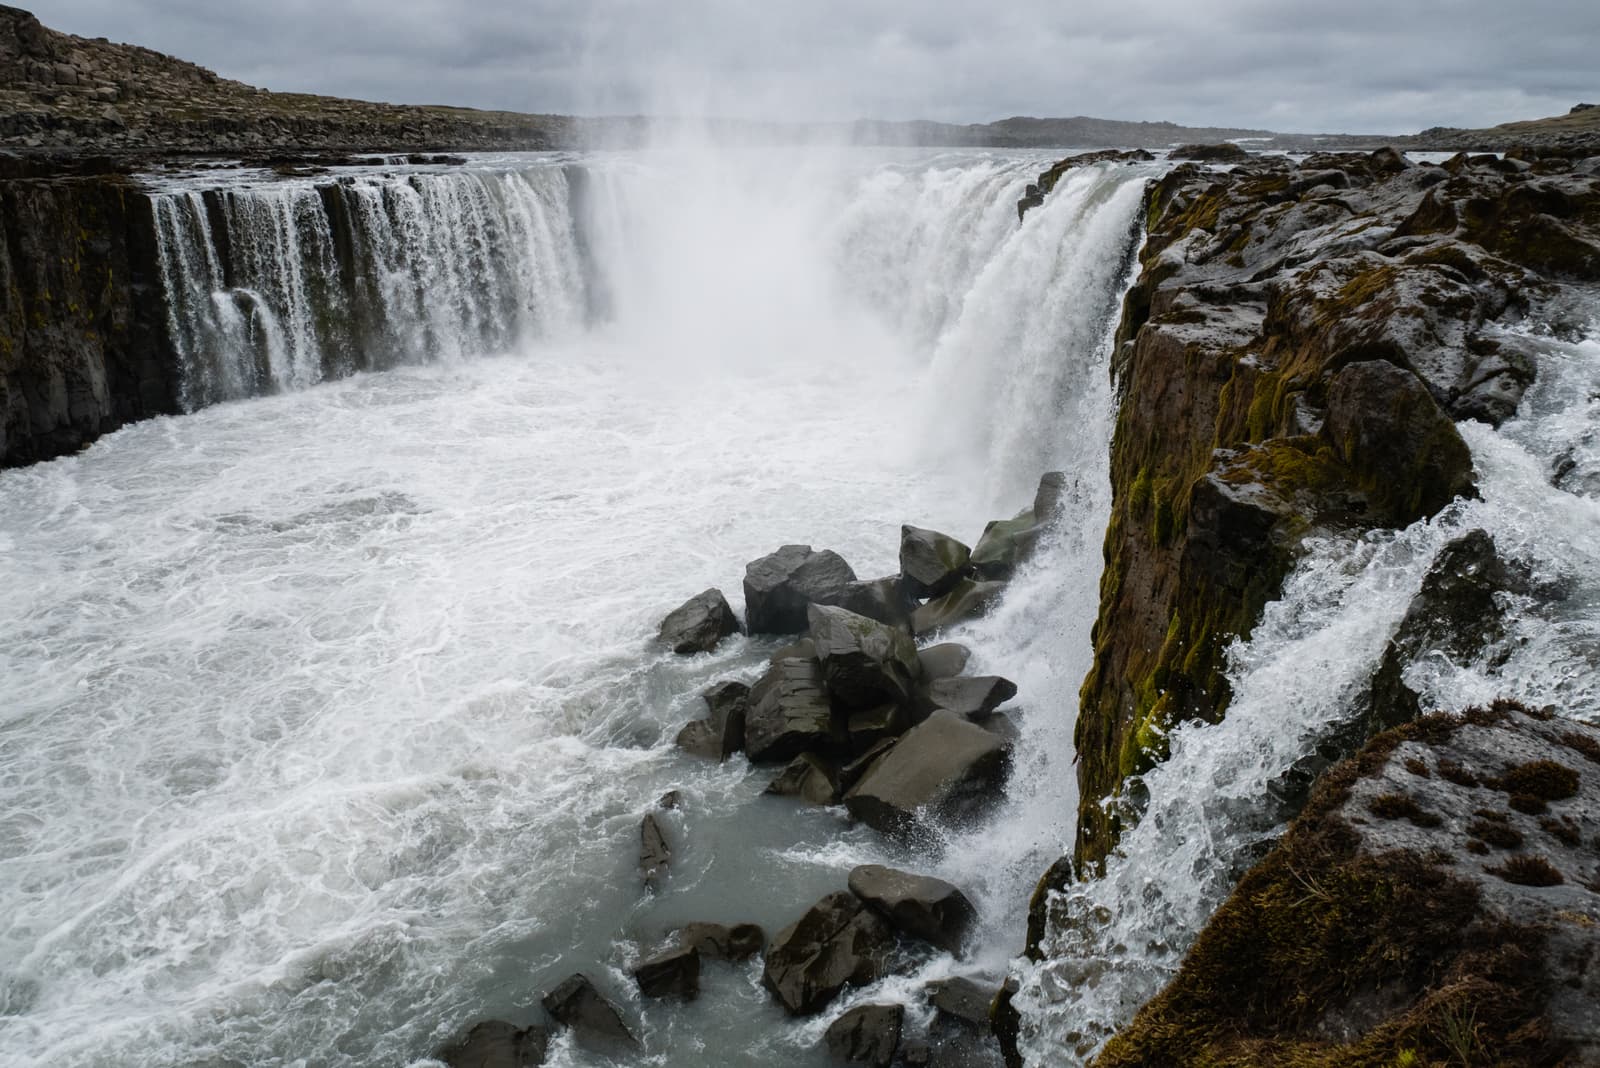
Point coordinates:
pixel 328 717
pixel 1114 942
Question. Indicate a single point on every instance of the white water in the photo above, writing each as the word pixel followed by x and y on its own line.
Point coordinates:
pixel 328 717
pixel 1116 941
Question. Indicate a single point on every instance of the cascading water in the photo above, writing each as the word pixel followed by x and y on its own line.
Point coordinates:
pixel 279 286
pixel 328 717
pixel 1112 943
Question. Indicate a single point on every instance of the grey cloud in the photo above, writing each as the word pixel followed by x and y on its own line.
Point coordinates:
pixel 1360 65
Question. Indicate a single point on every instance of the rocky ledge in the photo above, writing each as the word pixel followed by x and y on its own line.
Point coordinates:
pixel 1293 357
pixel 1438 902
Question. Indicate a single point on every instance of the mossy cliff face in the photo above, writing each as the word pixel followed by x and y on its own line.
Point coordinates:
pixel 1435 904
pixel 82 345
pixel 1293 357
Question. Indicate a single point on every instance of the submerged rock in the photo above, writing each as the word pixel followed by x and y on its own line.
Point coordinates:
pixel 931 563
pixel 838 942
pixel 699 624
pixel 790 713
pixel 779 587
pixel 919 905
pixel 672 973
pixel 864 663
pixel 577 1004
pixel 963 1001
pixel 718 941
pixel 867 1034
pixel 497 1044
pixel 654 855
pixel 721 733
pixel 944 768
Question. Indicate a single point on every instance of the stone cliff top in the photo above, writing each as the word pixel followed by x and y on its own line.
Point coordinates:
pixel 62 91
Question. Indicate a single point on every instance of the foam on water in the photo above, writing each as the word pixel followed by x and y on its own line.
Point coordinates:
pixel 328 717
pixel 1112 943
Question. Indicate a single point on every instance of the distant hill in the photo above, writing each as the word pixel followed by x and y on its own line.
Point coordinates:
pixel 61 93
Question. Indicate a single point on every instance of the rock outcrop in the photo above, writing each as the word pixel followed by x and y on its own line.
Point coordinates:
pixel 1437 903
pixel 1291 358
pixel 83 346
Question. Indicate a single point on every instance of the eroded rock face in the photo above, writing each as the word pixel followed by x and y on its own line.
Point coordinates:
pixel 1445 874
pixel 838 942
pixel 789 713
pixel 1292 356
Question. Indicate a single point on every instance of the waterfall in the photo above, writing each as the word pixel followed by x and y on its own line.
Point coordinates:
pixel 280 285
pixel 1112 943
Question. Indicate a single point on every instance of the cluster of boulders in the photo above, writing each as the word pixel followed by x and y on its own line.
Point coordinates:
pixel 853 709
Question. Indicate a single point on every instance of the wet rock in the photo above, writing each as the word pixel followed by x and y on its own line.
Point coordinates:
pixel 871 726
pixel 931 563
pixel 808 777
pixel 1383 883
pixel 966 602
pixel 1006 544
pixel 944 661
pixel 919 905
pixel 884 600
pixel 1001 726
pixel 497 1044
pixel 944 767
pixel 577 1004
pixel 789 713
pixel 1382 419
pixel 864 663
pixel 1050 498
pixel 699 624
pixel 717 941
pixel 851 773
pixel 1226 152
pixel 654 855
pixel 867 1034
pixel 971 697
pixel 779 587
pixel 963 1001
pixel 804 649
pixel 721 733
pixel 673 973
pixel 838 942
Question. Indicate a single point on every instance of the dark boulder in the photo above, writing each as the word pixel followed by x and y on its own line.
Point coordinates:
pixel 931 563
pixel 673 973
pixel 838 942
pixel 962 1001
pixel 1226 152
pixel 918 905
pixel 699 624
pixel 971 697
pixel 944 767
pixel 966 602
pixel 721 733
pixel 944 661
pixel 864 663
pixel 717 941
pixel 867 1034
pixel 1051 496
pixel 578 1005
pixel 789 713
pixel 497 1044
pixel 654 855
pixel 1006 544
pixel 871 726
pixel 702 739
pixel 804 649
pixel 851 773
pixel 884 599
pixel 778 587
pixel 810 778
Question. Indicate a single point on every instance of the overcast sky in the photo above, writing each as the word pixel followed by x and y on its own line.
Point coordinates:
pixel 1375 66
